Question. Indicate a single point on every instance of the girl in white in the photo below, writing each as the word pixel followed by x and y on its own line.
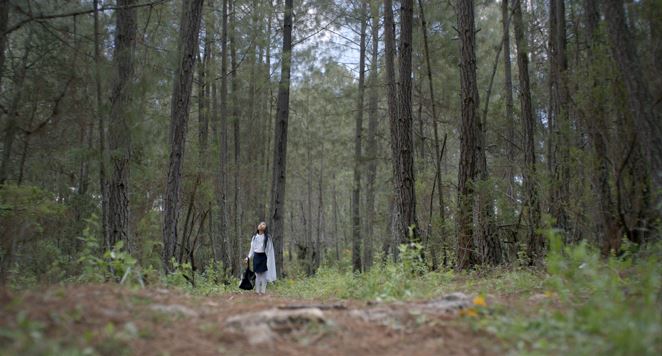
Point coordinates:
pixel 264 263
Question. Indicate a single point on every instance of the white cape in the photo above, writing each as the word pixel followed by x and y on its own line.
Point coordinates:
pixel 271 261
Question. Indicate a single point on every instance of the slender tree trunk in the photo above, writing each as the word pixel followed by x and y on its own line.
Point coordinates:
pixel 392 100
pixel 204 92
pixel 402 136
pixel 531 203
pixel 469 131
pixel 13 115
pixel 335 220
pixel 236 245
pixel 647 120
pixel 320 212
pixel 435 129
pixel 356 191
pixel 608 227
pixel 4 20
pixel 559 120
pixel 268 99
pixel 189 30
pixel 119 141
pixel 508 87
pixel 280 141
pixel 26 144
pixel 371 149
pixel 223 108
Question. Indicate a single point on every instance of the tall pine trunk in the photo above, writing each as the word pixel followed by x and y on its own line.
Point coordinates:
pixel 119 138
pixel 356 189
pixel 531 203
pixel 280 141
pixel 469 131
pixel 371 149
pixel 437 148
pixel 647 120
pixel 189 30
pixel 559 119
pixel 402 133
pixel 508 88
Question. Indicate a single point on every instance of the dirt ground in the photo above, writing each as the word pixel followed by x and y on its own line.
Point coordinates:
pixel 113 320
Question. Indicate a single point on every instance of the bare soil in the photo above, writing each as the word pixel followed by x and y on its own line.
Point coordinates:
pixel 114 320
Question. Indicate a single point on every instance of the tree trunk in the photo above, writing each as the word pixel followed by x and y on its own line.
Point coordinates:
pixel 531 203
pixel 226 250
pixel 559 121
pixel 401 131
pixel 371 149
pixel 320 213
pixel 356 190
pixel 469 131
pixel 608 228
pixel 4 20
pixel 508 87
pixel 13 115
pixel 280 141
pixel 646 119
pixel 392 101
pixel 335 220
pixel 236 243
pixel 204 93
pixel 189 30
pixel 435 129
pixel 119 140
pixel 103 149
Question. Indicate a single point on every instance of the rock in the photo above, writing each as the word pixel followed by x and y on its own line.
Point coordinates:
pixel 448 303
pixel 392 318
pixel 174 309
pixel 267 325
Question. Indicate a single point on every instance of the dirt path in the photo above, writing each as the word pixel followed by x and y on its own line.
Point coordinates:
pixel 115 320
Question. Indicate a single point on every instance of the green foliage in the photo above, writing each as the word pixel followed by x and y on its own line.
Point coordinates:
pixel 115 265
pixel 92 267
pixel 390 281
pixel 27 337
pixel 26 203
pixel 592 305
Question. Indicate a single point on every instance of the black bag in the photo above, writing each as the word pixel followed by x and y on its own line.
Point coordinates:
pixel 248 279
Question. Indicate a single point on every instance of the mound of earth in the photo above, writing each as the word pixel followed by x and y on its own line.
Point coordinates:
pixel 111 320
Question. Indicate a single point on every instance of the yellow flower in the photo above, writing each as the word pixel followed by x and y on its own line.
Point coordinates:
pixel 471 312
pixel 480 301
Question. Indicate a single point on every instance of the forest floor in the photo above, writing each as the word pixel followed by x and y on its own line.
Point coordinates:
pixel 111 319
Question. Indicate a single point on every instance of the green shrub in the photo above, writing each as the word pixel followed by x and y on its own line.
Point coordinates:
pixel 593 305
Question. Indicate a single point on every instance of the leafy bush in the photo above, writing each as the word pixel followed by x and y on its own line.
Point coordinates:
pixel 389 281
pixel 593 305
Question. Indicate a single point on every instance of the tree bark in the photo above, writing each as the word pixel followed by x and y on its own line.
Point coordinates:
pixel 646 119
pixel 435 129
pixel 508 87
pixel 103 149
pixel 236 243
pixel 531 203
pixel 119 139
pixel 189 30
pixel 356 190
pixel 559 120
pixel 392 102
pixel 280 141
pixel 403 135
pixel 13 114
pixel 371 149
pixel 4 20
pixel 226 250
pixel 469 131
